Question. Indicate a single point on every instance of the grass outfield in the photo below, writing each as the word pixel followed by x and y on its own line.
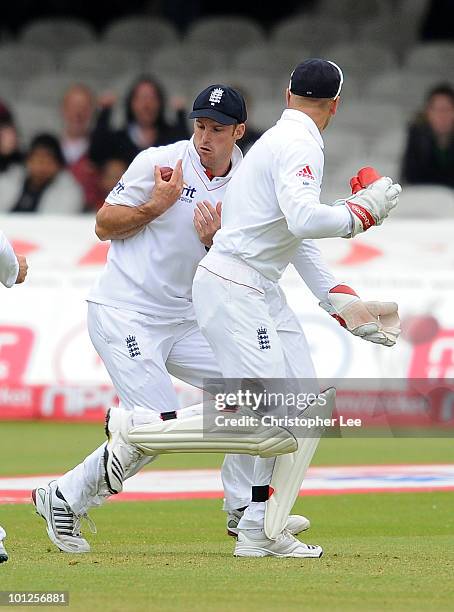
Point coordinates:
pixel 56 447
pixel 382 551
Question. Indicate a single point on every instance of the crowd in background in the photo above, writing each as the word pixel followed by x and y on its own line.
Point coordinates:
pixel 81 151
pixel 73 171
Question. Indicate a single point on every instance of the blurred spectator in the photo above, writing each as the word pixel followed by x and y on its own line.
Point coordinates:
pixel 145 127
pixel 429 153
pixel 42 185
pixel 9 141
pixel 111 172
pixel 78 108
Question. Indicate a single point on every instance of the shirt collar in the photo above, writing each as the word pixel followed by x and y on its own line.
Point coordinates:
pixel 291 114
pixel 237 157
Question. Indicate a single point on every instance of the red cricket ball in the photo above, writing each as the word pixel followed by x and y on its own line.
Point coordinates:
pixel 166 173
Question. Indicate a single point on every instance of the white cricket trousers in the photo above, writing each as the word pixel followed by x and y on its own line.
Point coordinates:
pixel 139 351
pixel 253 334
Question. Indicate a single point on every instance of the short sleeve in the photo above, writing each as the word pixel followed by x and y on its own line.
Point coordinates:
pixel 135 186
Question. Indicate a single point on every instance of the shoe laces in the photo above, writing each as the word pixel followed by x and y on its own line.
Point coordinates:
pixel 286 535
pixel 78 523
pixel 234 517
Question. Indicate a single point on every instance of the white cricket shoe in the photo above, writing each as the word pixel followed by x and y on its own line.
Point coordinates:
pixel 63 526
pixel 295 523
pixel 119 454
pixel 251 544
pixel 3 553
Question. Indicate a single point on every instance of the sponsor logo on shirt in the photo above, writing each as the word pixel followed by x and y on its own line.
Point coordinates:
pixel 306 173
pixel 119 187
pixel 188 194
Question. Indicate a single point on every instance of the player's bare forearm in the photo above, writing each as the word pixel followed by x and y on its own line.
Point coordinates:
pixel 124 235
pixel 119 222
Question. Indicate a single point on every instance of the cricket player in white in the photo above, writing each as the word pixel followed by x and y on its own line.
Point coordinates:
pixel 271 213
pixel 3 553
pixel 140 314
pixel 13 270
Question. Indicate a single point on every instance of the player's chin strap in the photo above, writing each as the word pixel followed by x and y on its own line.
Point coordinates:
pixel 289 470
pixel 198 431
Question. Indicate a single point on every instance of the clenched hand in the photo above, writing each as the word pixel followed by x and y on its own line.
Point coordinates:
pixel 166 193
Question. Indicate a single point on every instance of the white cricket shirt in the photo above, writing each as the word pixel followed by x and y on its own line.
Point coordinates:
pixel 9 266
pixel 152 272
pixel 273 201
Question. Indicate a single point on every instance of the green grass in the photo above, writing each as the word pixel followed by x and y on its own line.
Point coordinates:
pixel 57 447
pixel 388 551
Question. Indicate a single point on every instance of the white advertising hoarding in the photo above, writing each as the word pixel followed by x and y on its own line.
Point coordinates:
pixel 44 341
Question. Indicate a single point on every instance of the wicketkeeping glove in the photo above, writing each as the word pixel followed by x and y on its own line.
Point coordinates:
pixel 376 322
pixel 370 205
pixel 365 177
